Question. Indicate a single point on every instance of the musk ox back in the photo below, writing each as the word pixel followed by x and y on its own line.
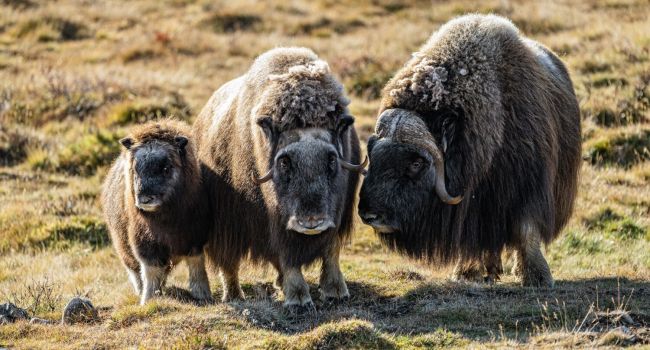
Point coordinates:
pixel 477 148
pixel 280 165
pixel 155 207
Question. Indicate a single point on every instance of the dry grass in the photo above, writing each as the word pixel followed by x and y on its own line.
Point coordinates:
pixel 75 74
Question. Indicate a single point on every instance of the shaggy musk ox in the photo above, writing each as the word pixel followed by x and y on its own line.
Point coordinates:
pixel 154 205
pixel 280 157
pixel 476 149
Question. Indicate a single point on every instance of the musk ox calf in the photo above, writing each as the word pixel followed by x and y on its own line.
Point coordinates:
pixel 155 208
pixel 280 167
pixel 477 149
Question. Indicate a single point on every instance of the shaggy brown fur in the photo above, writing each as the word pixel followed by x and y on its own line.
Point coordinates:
pixel 502 110
pixel 149 243
pixel 304 101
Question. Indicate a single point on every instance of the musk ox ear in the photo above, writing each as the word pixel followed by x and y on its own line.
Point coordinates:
pixel 266 123
pixel 341 127
pixel 343 124
pixel 181 142
pixel 127 142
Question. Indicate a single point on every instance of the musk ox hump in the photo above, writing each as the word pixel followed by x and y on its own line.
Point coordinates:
pixel 300 91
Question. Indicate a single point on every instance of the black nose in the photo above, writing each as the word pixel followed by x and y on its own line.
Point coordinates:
pixel 370 217
pixel 311 221
pixel 145 199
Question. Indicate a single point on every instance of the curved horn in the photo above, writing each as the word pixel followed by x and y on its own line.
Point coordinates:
pixel 441 188
pixel 260 180
pixel 352 167
pixel 439 165
pixel 407 126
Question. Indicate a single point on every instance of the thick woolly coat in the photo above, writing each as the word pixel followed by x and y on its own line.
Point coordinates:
pixel 297 90
pixel 503 109
pixel 178 228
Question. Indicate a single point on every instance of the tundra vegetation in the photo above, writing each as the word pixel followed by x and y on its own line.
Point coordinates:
pixel 75 75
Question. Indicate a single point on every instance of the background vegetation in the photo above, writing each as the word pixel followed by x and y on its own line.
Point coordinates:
pixel 75 74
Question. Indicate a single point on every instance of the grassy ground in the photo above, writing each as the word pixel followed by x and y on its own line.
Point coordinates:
pixel 75 74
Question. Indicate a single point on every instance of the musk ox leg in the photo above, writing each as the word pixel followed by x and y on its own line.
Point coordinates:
pixel 136 281
pixel 295 289
pixel 467 270
pixel 280 278
pixel 493 266
pixel 199 283
pixel 473 271
pixel 530 263
pixel 332 282
pixel 153 278
pixel 230 283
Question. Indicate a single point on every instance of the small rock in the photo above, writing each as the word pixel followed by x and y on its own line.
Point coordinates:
pixel 11 313
pixel 79 310
pixel 5 320
pixel 36 320
pixel 463 71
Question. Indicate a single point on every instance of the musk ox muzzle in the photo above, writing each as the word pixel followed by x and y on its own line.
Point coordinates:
pixel 308 174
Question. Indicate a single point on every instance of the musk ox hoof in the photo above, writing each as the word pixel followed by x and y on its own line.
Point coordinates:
pixel 538 281
pixel 335 294
pixel 233 296
pixel 469 275
pixel 491 279
pixel 202 294
pixel 296 309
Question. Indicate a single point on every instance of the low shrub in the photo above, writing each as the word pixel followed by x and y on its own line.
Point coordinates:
pixel 51 28
pixel 227 22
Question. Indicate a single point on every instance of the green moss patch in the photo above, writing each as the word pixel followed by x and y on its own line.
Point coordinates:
pixel 144 111
pixel 89 153
pixel 623 149
pixel 351 334
pixel 616 226
pixel 76 230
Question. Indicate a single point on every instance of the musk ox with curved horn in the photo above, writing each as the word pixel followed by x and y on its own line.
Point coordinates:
pixel 282 167
pixel 477 149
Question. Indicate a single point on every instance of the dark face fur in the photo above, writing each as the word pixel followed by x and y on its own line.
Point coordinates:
pixel 155 172
pixel 400 180
pixel 308 176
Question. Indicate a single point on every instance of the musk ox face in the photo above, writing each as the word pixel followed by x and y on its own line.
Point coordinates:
pixel 308 175
pixel 399 180
pixel 155 171
pixel 406 173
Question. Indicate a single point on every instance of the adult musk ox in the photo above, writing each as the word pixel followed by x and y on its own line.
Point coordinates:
pixel 281 170
pixel 155 207
pixel 476 149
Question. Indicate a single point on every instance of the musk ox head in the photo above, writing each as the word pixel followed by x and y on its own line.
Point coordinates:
pixel 309 174
pixel 156 156
pixel 406 172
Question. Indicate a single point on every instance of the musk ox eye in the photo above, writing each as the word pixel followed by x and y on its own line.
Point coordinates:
pixel 284 163
pixel 332 160
pixel 416 165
